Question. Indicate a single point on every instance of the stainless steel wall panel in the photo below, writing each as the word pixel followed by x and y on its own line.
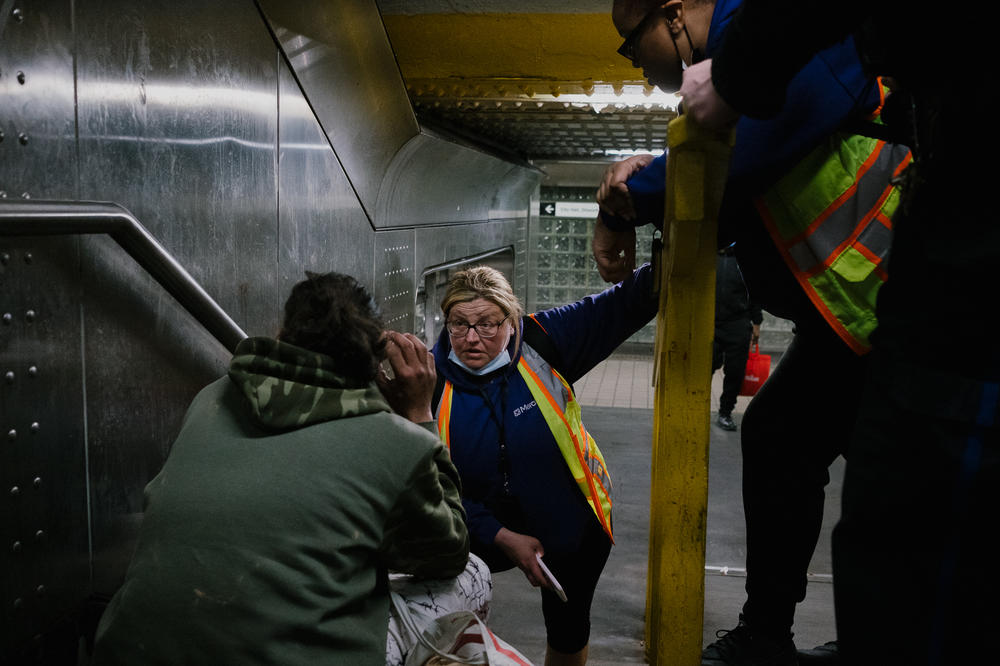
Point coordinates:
pixel 400 172
pixel 37 122
pixel 322 225
pixel 44 550
pixel 432 181
pixel 43 496
pixel 395 277
pixel 341 46
pixel 514 191
pixel 178 123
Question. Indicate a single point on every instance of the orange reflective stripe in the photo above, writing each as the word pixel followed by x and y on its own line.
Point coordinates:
pixel 535 319
pixel 594 499
pixel 444 414
pixel 845 196
pixel 881 100
pixel 851 240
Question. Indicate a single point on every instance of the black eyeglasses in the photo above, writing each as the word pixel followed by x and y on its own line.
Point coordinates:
pixel 484 329
pixel 630 47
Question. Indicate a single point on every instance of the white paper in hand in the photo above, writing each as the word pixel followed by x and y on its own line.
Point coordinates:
pixel 556 587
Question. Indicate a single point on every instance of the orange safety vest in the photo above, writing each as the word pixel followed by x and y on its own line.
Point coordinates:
pixel 562 414
pixel 831 219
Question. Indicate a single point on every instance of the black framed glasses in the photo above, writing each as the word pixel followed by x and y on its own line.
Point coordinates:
pixel 484 329
pixel 630 47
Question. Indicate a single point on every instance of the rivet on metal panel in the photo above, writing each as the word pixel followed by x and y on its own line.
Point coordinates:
pixel 12 434
pixel 32 371
pixel 39 535
pixel 23 138
pixel 17 14
pixel 25 195
pixel 40 590
pixel 7 318
pixel 35 427
pixel 18 603
pixel 28 257
pixel 9 376
pixel 5 258
pixel 3 194
pixel 37 482
pixel 29 316
pixel 20 78
pixel 15 491
pixel 15 547
pixel 1 136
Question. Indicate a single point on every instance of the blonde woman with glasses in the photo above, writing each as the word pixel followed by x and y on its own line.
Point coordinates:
pixel 536 490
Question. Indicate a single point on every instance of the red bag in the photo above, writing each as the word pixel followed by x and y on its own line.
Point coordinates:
pixel 758 368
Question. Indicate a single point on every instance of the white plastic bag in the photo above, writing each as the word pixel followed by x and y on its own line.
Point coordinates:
pixel 455 638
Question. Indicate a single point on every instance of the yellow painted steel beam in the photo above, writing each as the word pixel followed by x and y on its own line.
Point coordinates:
pixel 561 47
pixel 697 163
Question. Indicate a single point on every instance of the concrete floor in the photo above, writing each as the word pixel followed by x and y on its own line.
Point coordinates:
pixel 624 433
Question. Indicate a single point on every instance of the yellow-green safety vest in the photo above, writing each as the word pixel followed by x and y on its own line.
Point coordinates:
pixel 831 219
pixel 562 414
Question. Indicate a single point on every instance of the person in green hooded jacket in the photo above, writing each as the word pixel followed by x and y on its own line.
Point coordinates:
pixel 294 486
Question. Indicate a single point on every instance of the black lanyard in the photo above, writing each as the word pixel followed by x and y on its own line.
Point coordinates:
pixel 503 463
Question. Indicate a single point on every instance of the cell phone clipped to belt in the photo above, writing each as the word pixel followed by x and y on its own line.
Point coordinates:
pixel 556 587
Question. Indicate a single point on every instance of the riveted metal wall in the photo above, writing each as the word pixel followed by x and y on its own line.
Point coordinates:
pixel 178 115
pixel 193 117
pixel 44 552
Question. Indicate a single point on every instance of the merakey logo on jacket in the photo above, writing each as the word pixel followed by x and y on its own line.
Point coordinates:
pixel 523 408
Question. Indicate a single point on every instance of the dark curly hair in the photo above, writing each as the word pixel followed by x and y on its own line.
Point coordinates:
pixel 333 314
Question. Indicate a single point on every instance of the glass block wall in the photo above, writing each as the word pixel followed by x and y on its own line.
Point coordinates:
pixel 564 267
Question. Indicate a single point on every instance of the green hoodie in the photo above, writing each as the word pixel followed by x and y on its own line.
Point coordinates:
pixel 268 533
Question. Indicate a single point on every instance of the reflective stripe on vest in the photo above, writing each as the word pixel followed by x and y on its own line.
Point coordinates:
pixel 444 407
pixel 830 218
pixel 562 414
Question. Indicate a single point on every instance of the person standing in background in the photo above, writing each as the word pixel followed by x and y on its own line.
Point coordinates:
pixel 737 328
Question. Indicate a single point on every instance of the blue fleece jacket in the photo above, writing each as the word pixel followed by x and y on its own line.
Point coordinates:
pixel 831 89
pixel 547 502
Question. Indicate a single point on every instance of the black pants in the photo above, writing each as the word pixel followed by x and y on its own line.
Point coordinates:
pixel 567 623
pixel 730 350
pixel 794 428
pixel 919 521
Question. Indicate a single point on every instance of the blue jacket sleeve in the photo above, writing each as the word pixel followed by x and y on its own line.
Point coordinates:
pixel 483 525
pixel 587 331
pixel 646 187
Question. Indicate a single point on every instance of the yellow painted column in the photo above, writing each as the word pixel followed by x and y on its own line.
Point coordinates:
pixel 697 164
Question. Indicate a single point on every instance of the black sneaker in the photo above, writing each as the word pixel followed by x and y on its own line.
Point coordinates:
pixel 741 647
pixel 825 654
pixel 726 422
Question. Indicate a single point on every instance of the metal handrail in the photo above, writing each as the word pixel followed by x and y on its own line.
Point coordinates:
pixel 437 268
pixel 57 218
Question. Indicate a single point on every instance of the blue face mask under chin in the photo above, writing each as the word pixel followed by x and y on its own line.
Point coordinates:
pixel 502 359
